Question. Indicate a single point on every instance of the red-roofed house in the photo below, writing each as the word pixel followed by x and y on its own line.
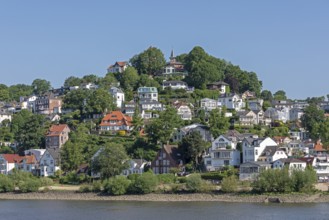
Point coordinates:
pixel 29 163
pixel 8 162
pixel 116 121
pixel 118 67
pixel 57 136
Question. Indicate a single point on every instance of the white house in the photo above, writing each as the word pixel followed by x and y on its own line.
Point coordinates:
pixel 255 104
pixel 295 114
pixel 49 162
pixel 220 86
pixel 118 67
pixel 252 148
pixel 118 96
pixel 208 104
pixel 204 130
pixel 151 105
pixel 231 101
pixel 251 170
pixel 8 162
pixel 147 93
pixel 4 116
pixel 222 153
pixel 291 163
pixel 251 117
pixel 272 153
pixel 89 86
pixel 184 111
pixel 136 166
pixel 174 85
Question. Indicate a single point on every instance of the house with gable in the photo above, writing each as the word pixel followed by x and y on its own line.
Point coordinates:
pixel 136 166
pixel 118 67
pixel 47 104
pixel 222 153
pixel 168 157
pixel 183 110
pixel 250 118
pixel 29 163
pixel 174 85
pixel 255 104
pixel 231 101
pixel 220 86
pixel 118 95
pixel 57 136
pixel 116 121
pixel 49 162
pixel 8 162
pixel 291 163
pixel 250 170
pixel 147 94
pixel 204 130
pixel 173 67
pixel 252 148
pixel 272 153
pixel 208 104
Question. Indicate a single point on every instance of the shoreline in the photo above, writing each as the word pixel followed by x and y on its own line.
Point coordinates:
pixel 193 197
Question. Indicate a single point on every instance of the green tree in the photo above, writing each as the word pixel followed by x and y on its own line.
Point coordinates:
pixel 100 101
pixel 117 185
pixel 144 183
pixel 203 68
pixel 108 81
pixel 194 183
pixel 31 134
pixel 266 95
pixel 129 79
pixel 72 81
pixel 229 184
pixel 148 81
pixel 192 147
pixel 111 160
pixel 161 129
pixel 312 119
pixel 16 91
pixel 219 124
pixel 76 100
pixel 4 93
pixel 149 61
pixel 90 79
pixel 40 86
pixel 280 95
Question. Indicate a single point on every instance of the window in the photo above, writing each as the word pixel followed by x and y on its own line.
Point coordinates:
pixel 226 162
pixel 256 152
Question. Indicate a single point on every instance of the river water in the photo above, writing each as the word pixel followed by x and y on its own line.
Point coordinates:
pixel 97 210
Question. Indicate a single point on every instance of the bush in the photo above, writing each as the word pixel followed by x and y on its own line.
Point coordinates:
pixel 117 185
pixel 6 184
pixel 29 185
pixel 213 176
pixel 144 183
pixel 85 189
pixel 230 184
pixel 182 179
pixel 166 178
pixel 45 181
pixel 97 186
pixel 194 183
pixel 73 178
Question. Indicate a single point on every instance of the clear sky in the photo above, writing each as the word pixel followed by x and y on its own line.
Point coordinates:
pixel 285 42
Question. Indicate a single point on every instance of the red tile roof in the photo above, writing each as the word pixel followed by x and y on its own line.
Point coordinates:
pixel 117 118
pixel 318 146
pixel 56 130
pixel 12 158
pixel 30 159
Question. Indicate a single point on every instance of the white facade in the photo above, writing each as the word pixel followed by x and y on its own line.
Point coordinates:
pixel 136 166
pixel 231 101
pixel 118 67
pixel 4 116
pixel 5 166
pixel 184 112
pixel 118 96
pixel 292 164
pixel 253 148
pixel 174 85
pixel 295 114
pixel 208 104
pixel 147 93
pixel 47 164
pixel 222 153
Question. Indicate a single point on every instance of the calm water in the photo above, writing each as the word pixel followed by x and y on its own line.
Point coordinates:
pixel 61 210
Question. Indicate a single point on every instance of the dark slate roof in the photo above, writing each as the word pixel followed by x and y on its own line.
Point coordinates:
pixel 173 151
pixel 269 151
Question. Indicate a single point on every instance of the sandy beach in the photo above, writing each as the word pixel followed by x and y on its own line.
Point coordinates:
pixel 71 195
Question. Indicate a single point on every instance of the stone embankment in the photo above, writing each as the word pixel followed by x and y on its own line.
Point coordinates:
pixel 202 197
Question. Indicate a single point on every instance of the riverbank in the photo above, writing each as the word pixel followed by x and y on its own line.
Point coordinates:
pixel 195 197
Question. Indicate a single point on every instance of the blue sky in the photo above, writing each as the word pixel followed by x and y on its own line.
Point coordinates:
pixel 285 42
